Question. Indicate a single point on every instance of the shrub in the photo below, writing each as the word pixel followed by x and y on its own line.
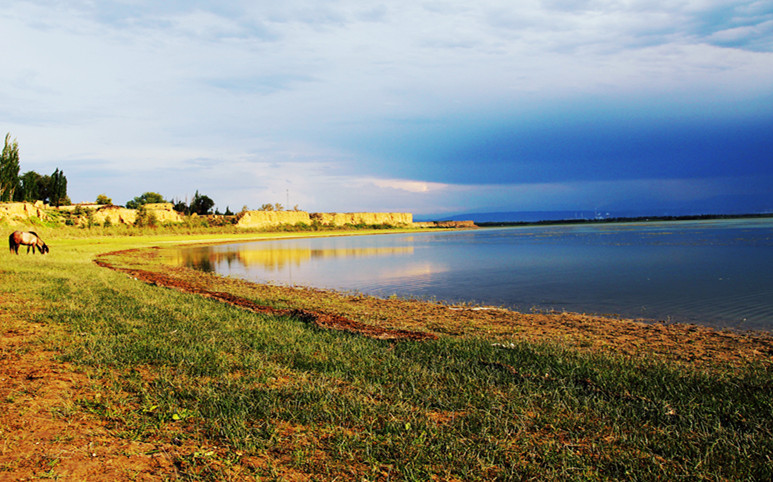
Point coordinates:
pixel 103 199
pixel 145 218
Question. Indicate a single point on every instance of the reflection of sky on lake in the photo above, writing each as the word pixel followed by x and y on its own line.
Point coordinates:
pixel 713 272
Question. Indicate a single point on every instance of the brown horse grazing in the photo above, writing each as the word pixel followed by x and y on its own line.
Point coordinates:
pixel 29 239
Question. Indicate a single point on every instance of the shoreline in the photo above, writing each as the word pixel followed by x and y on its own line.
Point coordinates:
pixel 279 235
pixel 626 220
pixel 661 316
pixel 682 342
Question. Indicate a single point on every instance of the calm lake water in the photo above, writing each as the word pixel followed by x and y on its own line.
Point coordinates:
pixel 717 273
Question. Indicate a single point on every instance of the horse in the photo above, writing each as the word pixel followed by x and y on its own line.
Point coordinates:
pixel 29 239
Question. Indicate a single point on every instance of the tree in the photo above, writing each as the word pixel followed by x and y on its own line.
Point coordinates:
pixel 146 198
pixel 30 184
pixel 58 194
pixel 271 207
pixel 201 204
pixel 49 189
pixel 181 207
pixel 44 189
pixel 103 199
pixel 9 169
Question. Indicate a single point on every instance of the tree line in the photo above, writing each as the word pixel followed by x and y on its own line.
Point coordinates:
pixel 200 204
pixel 30 186
pixel 52 189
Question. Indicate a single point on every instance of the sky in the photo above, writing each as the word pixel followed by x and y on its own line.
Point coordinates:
pixel 433 107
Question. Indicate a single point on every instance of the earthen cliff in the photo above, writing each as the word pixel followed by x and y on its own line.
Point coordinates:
pixel 265 219
pixel 164 213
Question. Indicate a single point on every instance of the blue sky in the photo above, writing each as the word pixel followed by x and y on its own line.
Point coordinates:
pixel 432 106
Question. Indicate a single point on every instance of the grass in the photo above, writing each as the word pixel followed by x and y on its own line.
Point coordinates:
pixel 279 398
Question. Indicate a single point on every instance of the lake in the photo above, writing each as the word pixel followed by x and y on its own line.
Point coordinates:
pixel 717 273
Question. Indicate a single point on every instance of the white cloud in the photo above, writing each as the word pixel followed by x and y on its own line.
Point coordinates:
pixel 251 94
pixel 409 186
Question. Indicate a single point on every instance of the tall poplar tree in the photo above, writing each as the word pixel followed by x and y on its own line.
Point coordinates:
pixel 9 169
pixel 58 187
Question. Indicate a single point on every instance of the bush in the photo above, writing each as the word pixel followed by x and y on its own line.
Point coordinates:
pixel 145 218
pixel 103 199
pixel 145 198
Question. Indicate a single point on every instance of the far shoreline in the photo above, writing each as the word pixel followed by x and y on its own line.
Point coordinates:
pixel 624 219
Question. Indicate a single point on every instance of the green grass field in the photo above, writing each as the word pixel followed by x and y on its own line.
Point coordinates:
pixel 328 405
